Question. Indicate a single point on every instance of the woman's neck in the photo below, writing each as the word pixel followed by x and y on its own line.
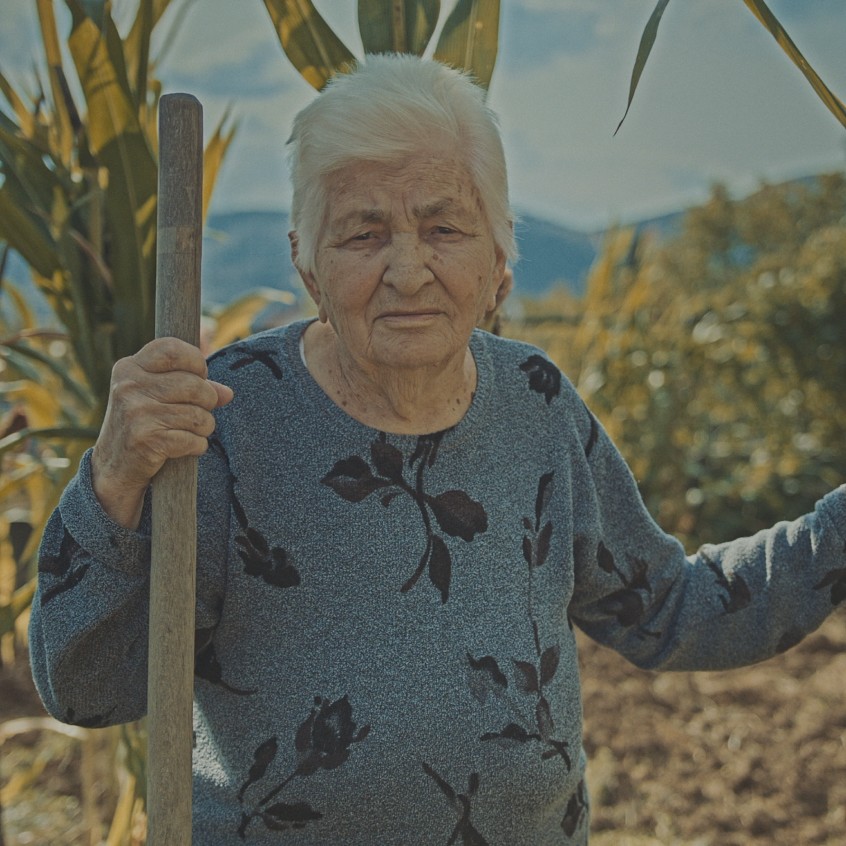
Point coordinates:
pixel 405 401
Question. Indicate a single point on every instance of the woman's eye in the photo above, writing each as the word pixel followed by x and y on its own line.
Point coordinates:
pixel 444 230
pixel 362 236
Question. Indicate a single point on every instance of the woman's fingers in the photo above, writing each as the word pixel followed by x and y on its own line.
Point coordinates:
pixel 160 407
pixel 224 393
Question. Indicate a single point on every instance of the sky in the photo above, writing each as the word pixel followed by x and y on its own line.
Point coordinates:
pixel 718 102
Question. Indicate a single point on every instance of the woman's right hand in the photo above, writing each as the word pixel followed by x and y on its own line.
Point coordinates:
pixel 160 404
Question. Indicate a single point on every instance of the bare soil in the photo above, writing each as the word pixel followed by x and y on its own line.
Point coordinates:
pixel 744 758
pixel 753 757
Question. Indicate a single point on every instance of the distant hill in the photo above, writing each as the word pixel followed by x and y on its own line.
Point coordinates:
pixel 551 255
pixel 246 250
pixel 250 249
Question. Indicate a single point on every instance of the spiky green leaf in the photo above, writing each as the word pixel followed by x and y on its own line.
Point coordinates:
pixel 62 103
pixel 308 41
pixel 19 354
pixel 213 156
pixel 647 41
pixel 64 433
pixel 136 45
pixel 470 38
pixel 398 26
pixel 119 144
pixel 26 119
pixel 762 12
pixel 26 236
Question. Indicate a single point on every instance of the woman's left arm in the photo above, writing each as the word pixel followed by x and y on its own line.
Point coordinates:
pixel 728 605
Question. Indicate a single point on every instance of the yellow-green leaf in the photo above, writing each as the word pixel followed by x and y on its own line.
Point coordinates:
pixel 235 320
pixel 20 231
pixel 136 45
pixel 308 41
pixel 111 112
pixel 647 40
pixel 64 433
pixel 470 38
pixel 26 120
pixel 43 406
pixel 213 158
pixel 119 144
pixel 30 180
pixel 58 86
pixel 768 19
pixel 397 26
pixel 26 315
pixel 19 354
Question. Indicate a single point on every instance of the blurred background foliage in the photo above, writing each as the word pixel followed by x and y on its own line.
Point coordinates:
pixel 715 360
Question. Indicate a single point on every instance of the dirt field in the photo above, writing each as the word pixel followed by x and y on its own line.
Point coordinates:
pixel 755 757
pixel 743 758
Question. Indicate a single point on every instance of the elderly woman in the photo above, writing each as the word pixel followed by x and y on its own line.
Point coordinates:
pixel 402 521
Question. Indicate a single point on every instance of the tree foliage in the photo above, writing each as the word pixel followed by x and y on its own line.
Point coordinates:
pixel 716 360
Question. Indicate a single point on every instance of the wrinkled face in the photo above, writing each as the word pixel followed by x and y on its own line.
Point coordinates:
pixel 406 264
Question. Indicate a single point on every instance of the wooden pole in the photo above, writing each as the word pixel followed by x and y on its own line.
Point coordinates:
pixel 170 682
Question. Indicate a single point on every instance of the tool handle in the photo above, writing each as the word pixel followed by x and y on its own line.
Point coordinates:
pixel 170 680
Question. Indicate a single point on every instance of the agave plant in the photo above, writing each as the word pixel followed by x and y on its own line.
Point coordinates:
pixel 78 203
pixel 469 38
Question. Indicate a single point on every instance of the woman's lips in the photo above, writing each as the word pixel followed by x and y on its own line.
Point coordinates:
pixel 409 316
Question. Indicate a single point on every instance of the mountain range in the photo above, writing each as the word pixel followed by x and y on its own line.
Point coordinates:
pixel 244 250
pixel 250 249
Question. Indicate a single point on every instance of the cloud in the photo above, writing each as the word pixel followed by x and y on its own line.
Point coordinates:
pixel 228 49
pixel 718 101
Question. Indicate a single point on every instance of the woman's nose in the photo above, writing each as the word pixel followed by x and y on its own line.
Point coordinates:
pixel 407 268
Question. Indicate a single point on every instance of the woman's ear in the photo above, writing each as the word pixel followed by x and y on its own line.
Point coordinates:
pixel 308 278
pixel 294 241
pixel 503 281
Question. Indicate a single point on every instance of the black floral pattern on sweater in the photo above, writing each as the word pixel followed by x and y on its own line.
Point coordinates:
pixel 61 566
pixel 626 605
pixel 738 595
pixel 576 814
pixel 836 580
pixel 464 828
pixel 322 742
pixel 208 667
pixel 271 564
pixel 260 559
pixel 245 355
pixel 456 514
pixel 485 676
pixel 544 376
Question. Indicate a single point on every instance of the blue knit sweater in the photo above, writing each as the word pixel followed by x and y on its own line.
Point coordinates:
pixel 385 650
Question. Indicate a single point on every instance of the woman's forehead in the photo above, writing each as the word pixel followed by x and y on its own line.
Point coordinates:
pixel 423 187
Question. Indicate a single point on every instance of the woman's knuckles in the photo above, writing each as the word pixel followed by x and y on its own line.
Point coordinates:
pixel 170 354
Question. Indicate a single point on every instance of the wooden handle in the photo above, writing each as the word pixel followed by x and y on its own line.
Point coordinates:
pixel 170 681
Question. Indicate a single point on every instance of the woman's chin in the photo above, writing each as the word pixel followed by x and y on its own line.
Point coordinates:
pixel 412 345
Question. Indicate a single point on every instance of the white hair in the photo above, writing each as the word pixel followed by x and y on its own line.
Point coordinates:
pixel 387 108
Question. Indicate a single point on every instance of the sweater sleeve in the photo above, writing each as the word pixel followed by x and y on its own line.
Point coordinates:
pixel 728 605
pixel 89 623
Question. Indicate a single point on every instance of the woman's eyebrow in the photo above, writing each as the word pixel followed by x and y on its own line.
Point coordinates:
pixel 433 209
pixel 357 216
